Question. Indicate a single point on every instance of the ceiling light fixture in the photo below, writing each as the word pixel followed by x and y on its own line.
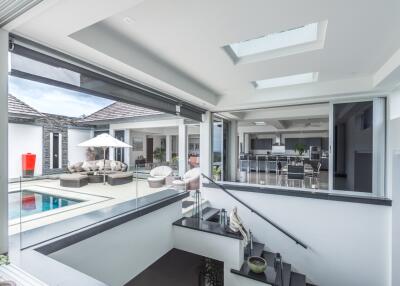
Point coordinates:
pixel 259 123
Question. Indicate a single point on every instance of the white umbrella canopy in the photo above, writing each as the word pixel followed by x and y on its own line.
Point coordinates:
pixel 104 141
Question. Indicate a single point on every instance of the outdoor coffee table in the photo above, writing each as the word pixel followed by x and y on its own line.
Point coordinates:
pixel 98 178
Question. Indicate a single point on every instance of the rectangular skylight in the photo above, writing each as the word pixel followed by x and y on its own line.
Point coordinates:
pixel 275 41
pixel 286 80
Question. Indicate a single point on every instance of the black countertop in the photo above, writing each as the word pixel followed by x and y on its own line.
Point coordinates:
pixel 207 226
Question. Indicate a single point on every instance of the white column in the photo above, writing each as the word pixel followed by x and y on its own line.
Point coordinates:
pixel 182 148
pixel 127 151
pixel 233 149
pixel 206 144
pixel 3 141
pixel 379 142
pixel 246 143
pixel 168 147
pixel 111 151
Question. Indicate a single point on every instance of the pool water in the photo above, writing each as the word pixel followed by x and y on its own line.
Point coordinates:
pixel 28 202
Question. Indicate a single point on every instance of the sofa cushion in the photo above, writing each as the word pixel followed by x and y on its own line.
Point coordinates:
pixel 86 166
pixel 78 167
pixel 115 165
pixel 124 167
pixel 161 171
pixel 90 166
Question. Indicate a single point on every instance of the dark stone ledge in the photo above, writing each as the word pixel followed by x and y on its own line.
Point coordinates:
pixel 306 194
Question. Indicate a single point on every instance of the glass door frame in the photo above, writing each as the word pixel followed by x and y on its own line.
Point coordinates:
pixel 378 175
pixel 222 166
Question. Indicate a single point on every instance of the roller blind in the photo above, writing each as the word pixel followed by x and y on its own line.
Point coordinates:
pixel 36 62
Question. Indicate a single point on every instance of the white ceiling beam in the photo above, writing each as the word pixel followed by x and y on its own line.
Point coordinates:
pixel 278 124
pixel 113 44
pixel 288 113
pixel 389 73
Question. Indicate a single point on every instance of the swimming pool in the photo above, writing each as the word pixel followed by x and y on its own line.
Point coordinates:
pixel 29 202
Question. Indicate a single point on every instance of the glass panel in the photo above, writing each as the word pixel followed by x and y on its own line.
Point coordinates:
pixel 285 146
pixel 353 146
pixel 217 149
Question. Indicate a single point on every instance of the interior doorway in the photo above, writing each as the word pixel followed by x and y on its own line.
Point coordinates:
pixel 149 150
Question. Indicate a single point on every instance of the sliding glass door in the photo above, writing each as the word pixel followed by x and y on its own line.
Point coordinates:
pixel 357 146
pixel 220 148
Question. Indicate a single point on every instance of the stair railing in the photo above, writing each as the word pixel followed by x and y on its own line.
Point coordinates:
pixel 275 225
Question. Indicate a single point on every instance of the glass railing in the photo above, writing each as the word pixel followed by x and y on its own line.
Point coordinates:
pixel 41 209
pixel 282 171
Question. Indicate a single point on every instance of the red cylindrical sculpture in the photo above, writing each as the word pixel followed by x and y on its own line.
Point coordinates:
pixel 28 164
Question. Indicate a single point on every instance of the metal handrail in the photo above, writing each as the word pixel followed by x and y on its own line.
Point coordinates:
pixel 298 241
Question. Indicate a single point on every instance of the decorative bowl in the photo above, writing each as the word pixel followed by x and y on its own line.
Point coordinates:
pixel 257 264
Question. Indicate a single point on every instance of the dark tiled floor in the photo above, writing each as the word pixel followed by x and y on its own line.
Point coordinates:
pixel 176 268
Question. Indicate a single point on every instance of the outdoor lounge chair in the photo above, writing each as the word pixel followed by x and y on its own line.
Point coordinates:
pixel 158 176
pixel 119 178
pixel 190 181
pixel 73 180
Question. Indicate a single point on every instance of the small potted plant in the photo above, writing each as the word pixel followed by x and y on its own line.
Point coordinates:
pixel 159 154
pixel 4 260
pixel 216 171
pixel 300 149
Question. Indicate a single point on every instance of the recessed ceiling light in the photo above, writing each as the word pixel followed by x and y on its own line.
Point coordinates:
pixel 291 41
pixel 259 123
pixel 128 20
pixel 286 80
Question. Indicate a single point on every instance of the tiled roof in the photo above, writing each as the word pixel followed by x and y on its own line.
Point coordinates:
pixel 16 106
pixel 120 110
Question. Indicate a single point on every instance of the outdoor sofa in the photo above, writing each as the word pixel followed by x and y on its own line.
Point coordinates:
pixel 82 173
pixel 86 167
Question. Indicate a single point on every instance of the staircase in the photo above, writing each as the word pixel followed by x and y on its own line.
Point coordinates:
pixel 228 250
pixel 275 274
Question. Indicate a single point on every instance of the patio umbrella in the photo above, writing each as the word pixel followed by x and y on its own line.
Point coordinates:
pixel 104 141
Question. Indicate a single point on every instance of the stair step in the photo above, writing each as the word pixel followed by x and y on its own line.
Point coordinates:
pixel 209 212
pixel 287 268
pixel 271 275
pixel 297 279
pixel 286 275
pixel 258 249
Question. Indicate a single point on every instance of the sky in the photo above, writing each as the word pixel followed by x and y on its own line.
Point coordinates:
pixel 50 99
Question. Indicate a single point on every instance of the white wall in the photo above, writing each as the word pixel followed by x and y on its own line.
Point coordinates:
pixel 76 136
pixel 3 141
pixel 349 242
pixel 119 254
pixel 134 154
pixel 24 139
pixel 221 248
pixel 393 180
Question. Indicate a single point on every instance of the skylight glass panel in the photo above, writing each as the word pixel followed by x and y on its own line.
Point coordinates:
pixel 275 41
pixel 286 80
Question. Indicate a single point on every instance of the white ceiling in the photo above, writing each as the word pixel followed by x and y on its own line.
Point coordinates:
pixel 176 45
